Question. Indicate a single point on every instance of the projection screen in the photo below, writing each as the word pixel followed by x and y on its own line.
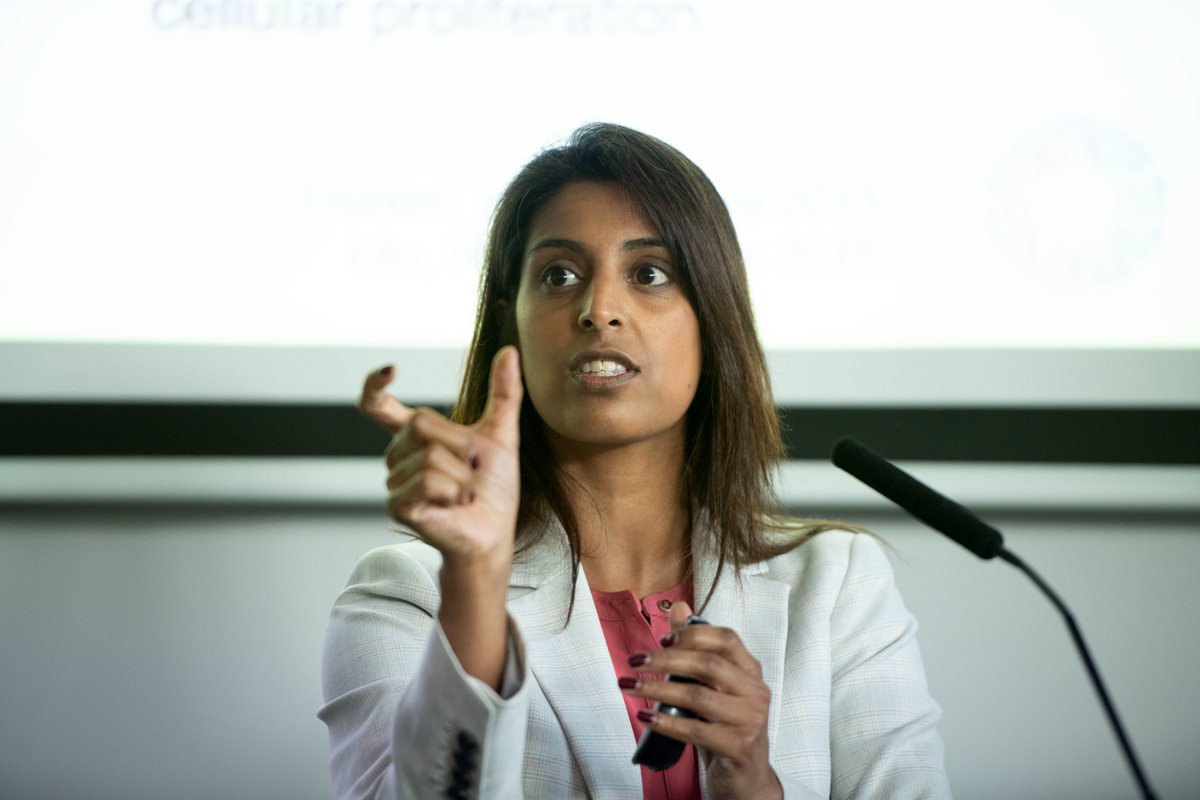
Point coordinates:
pixel 941 204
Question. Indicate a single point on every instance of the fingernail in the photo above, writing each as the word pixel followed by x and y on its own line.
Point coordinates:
pixel 473 459
pixel 667 639
pixel 470 495
pixel 637 659
pixel 628 683
pixel 646 716
pixel 386 370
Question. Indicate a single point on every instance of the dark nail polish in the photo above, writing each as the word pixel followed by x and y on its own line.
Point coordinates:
pixel 628 683
pixel 646 716
pixel 667 639
pixel 473 459
pixel 386 370
pixel 637 659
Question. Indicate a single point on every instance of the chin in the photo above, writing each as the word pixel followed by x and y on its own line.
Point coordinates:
pixel 590 435
pixel 611 433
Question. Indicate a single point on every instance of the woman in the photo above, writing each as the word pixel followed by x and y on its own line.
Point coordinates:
pixel 585 495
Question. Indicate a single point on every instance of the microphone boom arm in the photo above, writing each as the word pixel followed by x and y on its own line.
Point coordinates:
pixel 960 524
pixel 1093 672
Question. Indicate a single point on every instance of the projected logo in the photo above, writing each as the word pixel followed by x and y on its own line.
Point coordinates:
pixel 1077 204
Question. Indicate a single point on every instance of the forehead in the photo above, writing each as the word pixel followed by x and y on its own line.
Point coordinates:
pixel 591 210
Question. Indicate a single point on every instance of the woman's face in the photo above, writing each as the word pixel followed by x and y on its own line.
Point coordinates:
pixel 610 346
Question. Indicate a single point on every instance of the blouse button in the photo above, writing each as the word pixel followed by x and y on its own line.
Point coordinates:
pixel 664 605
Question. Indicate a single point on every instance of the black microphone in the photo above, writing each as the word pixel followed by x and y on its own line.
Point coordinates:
pixel 943 514
pixel 935 510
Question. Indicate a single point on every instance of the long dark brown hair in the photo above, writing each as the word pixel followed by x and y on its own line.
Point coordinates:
pixel 733 442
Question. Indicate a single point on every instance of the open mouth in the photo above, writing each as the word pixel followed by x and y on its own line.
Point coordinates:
pixel 595 366
pixel 602 369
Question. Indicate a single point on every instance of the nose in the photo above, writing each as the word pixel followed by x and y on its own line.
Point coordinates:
pixel 602 304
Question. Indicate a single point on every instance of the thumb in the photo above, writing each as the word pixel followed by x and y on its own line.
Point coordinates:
pixel 679 613
pixel 503 412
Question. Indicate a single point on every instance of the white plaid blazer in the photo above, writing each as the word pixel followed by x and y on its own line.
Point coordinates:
pixel 850 717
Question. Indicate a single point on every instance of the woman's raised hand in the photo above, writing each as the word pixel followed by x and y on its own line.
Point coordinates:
pixel 457 486
pixel 729 696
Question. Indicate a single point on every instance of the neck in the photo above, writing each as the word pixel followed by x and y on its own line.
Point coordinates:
pixel 632 509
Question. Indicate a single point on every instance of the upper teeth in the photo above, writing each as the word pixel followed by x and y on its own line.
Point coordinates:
pixel 604 368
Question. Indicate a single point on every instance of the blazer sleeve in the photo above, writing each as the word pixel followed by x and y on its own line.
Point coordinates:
pixel 883 721
pixel 405 720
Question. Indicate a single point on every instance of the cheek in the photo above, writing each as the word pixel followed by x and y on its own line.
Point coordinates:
pixel 523 333
pixel 532 340
pixel 686 353
pixel 520 311
pixel 533 317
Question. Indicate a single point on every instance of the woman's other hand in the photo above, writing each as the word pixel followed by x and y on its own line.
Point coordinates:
pixel 457 486
pixel 730 698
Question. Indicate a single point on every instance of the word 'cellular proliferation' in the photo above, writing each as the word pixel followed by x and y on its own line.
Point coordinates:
pixel 383 17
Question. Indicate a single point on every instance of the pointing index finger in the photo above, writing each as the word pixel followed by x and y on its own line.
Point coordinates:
pixel 380 405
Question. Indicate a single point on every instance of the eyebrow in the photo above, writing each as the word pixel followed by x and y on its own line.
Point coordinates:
pixel 577 247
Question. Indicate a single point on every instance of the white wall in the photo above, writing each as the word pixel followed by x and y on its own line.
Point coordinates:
pixel 168 653
pixel 164 651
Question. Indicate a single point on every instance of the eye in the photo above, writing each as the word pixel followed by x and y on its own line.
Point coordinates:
pixel 650 275
pixel 559 277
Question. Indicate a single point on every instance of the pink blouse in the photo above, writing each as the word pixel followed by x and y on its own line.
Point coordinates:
pixel 635 626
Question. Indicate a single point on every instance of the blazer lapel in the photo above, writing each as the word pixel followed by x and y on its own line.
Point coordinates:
pixel 756 609
pixel 573 668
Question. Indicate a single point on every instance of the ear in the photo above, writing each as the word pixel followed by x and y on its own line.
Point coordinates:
pixel 500 309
